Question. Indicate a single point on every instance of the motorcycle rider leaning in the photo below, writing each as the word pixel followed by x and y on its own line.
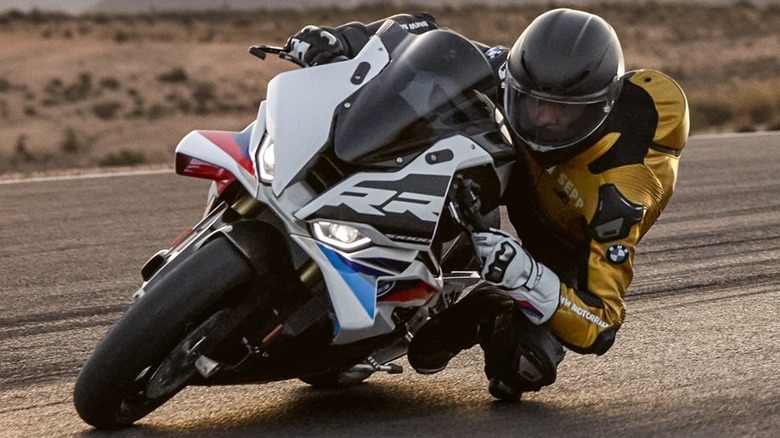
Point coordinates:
pixel 597 157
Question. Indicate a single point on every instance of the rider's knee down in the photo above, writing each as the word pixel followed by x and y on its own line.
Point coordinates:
pixel 536 359
pixel 522 355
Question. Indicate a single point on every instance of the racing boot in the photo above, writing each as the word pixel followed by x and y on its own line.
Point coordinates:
pixel 455 329
pixel 519 356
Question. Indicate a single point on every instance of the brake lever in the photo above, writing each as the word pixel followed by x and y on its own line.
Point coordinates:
pixel 261 51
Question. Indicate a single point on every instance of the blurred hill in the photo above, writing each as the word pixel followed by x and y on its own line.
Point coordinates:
pixel 136 6
pixel 151 6
pixel 143 6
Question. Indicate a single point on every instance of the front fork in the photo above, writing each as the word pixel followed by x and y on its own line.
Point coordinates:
pixel 255 240
pixel 249 207
pixel 310 275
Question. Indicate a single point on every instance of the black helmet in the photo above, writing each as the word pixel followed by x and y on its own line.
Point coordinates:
pixel 563 76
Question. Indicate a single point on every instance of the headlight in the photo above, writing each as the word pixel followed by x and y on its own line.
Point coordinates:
pixel 341 236
pixel 266 158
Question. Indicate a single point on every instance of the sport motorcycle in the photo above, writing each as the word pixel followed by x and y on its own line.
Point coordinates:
pixel 336 224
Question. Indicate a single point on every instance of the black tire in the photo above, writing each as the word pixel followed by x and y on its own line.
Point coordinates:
pixel 109 391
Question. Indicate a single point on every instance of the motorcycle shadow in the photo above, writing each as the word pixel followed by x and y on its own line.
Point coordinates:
pixel 380 406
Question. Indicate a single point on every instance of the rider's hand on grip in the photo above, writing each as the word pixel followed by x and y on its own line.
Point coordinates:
pixel 314 45
pixel 509 266
pixel 506 263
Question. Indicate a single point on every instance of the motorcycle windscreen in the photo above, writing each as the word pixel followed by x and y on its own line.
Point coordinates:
pixel 436 85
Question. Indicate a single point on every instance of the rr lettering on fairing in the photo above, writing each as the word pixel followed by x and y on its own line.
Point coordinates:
pixel 409 206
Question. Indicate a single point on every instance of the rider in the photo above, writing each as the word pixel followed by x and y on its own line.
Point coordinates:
pixel 597 157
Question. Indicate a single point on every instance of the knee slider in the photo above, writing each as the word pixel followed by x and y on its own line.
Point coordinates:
pixel 525 357
pixel 536 359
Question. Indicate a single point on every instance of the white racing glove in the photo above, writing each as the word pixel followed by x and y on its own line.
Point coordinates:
pixel 534 287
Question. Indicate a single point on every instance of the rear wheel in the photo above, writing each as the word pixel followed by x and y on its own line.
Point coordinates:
pixel 112 390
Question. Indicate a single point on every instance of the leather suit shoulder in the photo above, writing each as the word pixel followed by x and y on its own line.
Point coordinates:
pixel 670 103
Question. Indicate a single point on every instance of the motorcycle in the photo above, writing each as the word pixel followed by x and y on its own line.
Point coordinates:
pixel 337 223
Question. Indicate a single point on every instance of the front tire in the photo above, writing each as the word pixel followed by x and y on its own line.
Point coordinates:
pixel 110 389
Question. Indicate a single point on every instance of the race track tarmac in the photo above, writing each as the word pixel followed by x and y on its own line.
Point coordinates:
pixel 697 356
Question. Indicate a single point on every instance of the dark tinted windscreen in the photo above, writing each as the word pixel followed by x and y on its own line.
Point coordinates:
pixel 436 85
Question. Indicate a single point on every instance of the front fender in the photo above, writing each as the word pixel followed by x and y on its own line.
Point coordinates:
pixel 262 245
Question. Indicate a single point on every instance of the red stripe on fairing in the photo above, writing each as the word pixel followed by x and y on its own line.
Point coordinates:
pixel 420 291
pixel 227 142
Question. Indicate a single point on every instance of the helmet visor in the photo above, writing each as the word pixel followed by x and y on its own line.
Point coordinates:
pixel 549 123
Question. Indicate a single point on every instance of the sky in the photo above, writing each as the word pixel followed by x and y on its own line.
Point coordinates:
pixel 70 6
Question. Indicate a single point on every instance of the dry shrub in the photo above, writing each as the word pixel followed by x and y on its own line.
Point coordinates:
pixel 71 142
pixel 21 151
pixel 124 157
pixel 204 95
pixel 757 104
pixel 174 75
pixel 711 112
pixel 110 83
pixel 157 111
pixel 121 36
pixel 745 106
pixel 106 110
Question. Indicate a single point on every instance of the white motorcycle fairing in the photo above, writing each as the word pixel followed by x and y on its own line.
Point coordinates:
pixel 337 223
pixel 301 105
pixel 354 202
pixel 398 211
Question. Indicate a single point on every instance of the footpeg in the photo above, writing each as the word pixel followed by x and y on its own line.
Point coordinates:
pixel 206 366
pixel 390 368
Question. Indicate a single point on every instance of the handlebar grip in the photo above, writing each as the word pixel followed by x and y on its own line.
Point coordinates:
pixel 466 197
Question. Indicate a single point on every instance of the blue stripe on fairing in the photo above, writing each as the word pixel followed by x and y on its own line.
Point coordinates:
pixel 364 291
pixel 243 139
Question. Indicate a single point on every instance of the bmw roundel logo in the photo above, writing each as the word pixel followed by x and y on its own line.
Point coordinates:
pixel 617 254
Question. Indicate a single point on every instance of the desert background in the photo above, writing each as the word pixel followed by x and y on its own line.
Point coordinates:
pixel 100 87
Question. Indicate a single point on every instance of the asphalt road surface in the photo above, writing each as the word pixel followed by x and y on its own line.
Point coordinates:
pixel 698 355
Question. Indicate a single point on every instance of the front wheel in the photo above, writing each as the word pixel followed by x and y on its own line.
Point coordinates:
pixel 111 389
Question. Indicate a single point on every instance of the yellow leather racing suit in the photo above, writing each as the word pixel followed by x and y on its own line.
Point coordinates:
pixel 584 218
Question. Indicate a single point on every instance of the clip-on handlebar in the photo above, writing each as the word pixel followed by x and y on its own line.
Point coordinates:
pixel 261 51
pixel 464 206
